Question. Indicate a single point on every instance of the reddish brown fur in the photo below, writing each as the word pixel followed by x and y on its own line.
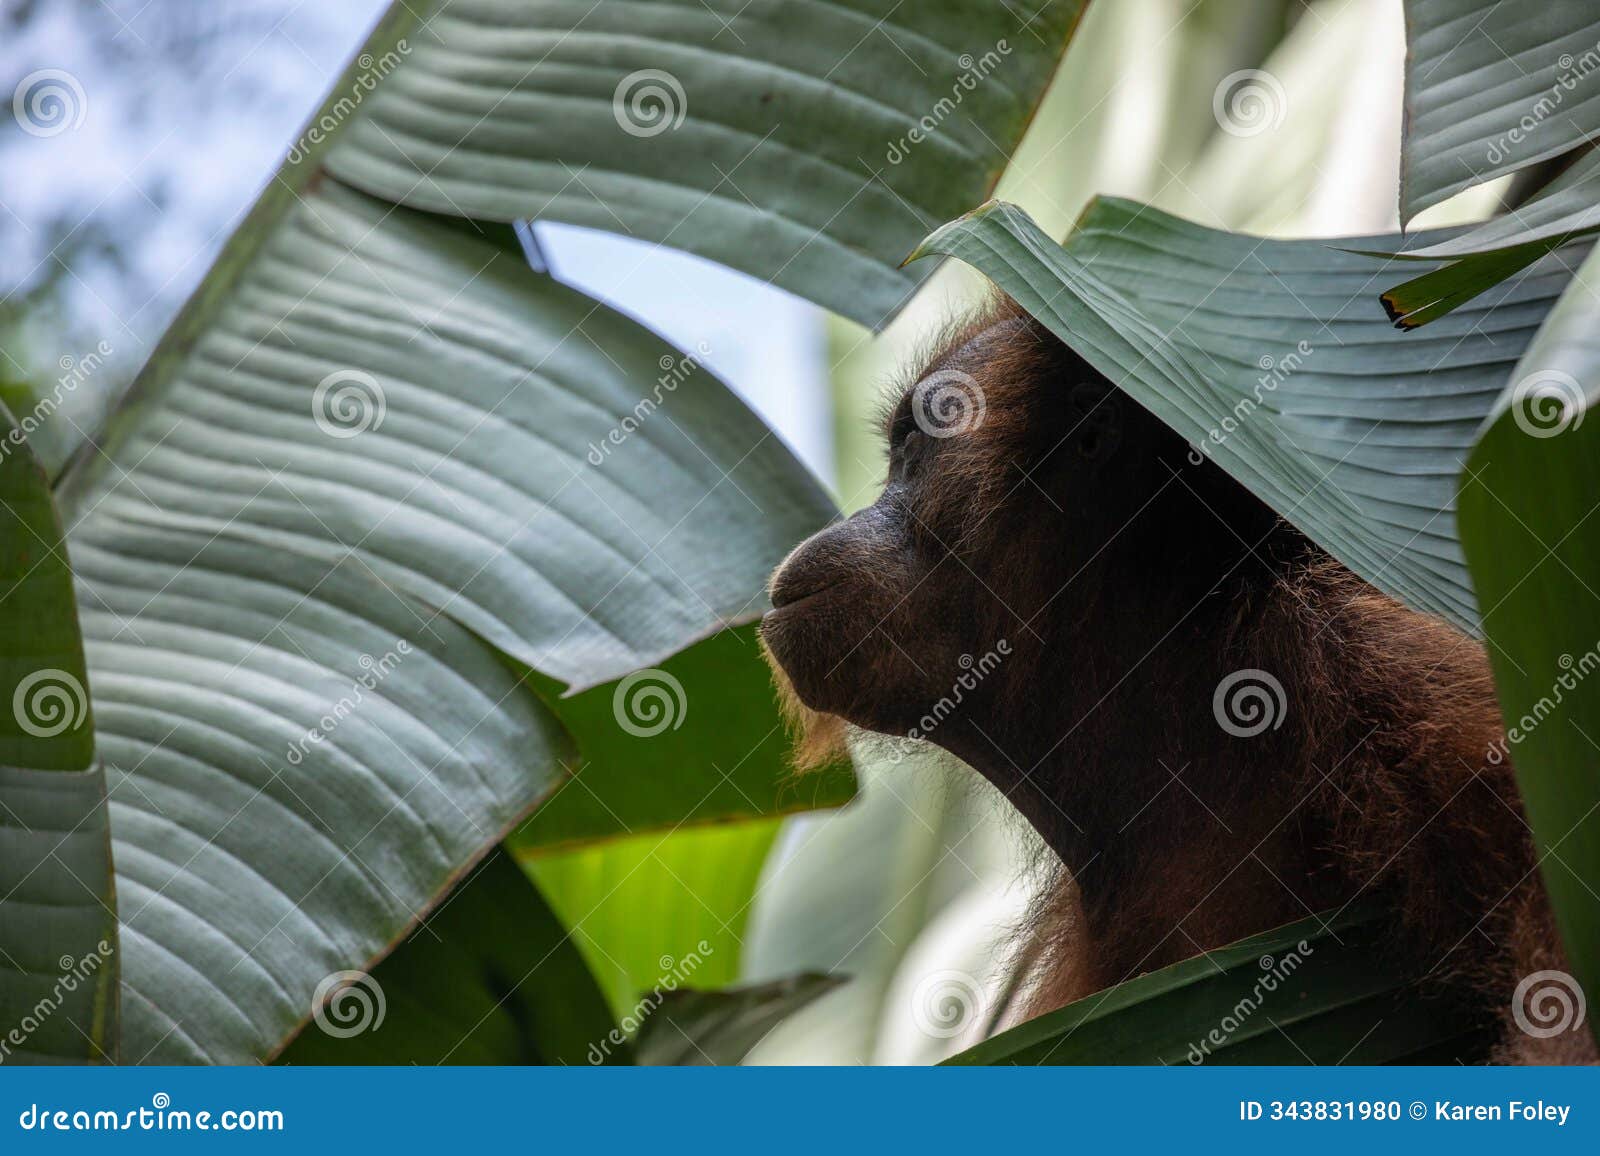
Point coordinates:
pixel 1128 582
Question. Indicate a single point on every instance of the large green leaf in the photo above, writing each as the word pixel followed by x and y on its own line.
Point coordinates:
pixel 810 143
pixel 718 1028
pixel 1273 359
pixel 58 918
pixel 1315 992
pixel 1489 253
pixel 1492 87
pixel 1528 499
pixel 382 386
pixel 656 905
pixel 244 568
pixel 490 977
pixel 302 764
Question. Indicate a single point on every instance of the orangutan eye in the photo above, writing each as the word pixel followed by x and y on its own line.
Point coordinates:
pixel 913 449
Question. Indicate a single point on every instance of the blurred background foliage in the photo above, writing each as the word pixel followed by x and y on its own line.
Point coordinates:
pixel 929 870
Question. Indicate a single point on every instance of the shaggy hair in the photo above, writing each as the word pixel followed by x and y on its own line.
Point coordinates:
pixel 1134 579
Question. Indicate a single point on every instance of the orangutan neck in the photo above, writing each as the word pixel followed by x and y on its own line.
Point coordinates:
pixel 1196 787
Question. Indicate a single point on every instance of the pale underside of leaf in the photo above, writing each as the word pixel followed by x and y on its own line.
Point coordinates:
pixel 777 138
pixel 1492 87
pixel 1274 359
pixel 242 568
pixel 484 394
pixel 301 759
pixel 58 912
